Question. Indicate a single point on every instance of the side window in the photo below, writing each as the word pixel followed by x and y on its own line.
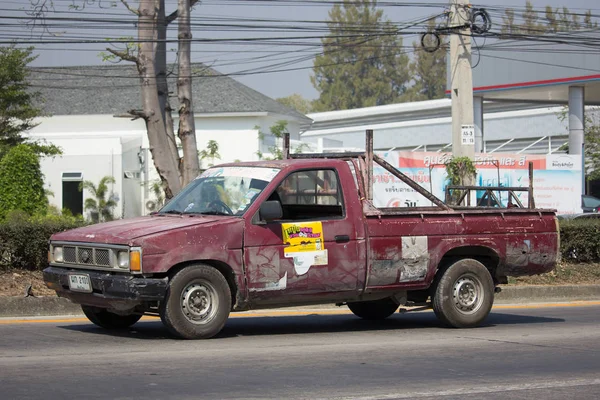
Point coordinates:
pixel 309 195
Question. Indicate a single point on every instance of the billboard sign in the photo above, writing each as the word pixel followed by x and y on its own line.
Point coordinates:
pixel 556 178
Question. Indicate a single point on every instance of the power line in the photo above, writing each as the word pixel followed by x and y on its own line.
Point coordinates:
pixel 306 35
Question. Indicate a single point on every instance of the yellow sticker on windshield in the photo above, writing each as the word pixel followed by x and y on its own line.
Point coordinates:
pixel 303 236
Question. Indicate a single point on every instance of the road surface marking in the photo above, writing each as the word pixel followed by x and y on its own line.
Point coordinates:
pixel 478 390
pixel 306 312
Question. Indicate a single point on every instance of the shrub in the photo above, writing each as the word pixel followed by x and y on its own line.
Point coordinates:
pixel 21 182
pixel 24 238
pixel 580 240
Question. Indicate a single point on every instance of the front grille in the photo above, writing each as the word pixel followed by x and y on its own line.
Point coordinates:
pixel 88 255
pixel 102 257
pixel 85 255
pixel 69 254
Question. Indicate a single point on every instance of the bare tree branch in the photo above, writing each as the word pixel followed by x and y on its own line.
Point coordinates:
pixel 173 16
pixel 123 55
pixel 137 114
pixel 133 10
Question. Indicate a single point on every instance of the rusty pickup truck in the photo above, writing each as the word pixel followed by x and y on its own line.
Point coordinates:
pixel 296 232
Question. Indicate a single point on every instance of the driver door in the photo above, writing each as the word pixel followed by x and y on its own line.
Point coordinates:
pixel 311 254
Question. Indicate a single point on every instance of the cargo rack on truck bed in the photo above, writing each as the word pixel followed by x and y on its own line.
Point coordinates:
pixel 462 193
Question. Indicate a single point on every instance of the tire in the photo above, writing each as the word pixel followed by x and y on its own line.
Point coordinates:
pixel 197 303
pixel 464 294
pixel 373 310
pixel 107 320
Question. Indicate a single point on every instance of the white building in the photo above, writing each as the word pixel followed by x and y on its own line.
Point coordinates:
pixel 427 126
pixel 87 107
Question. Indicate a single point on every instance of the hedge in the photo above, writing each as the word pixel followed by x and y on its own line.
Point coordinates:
pixel 24 239
pixel 580 240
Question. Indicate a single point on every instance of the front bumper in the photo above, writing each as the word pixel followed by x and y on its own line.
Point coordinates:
pixel 112 291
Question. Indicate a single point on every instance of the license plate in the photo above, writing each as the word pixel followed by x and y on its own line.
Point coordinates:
pixel 80 283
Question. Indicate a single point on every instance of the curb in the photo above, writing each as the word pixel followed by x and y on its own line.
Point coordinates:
pixel 37 307
pixel 537 294
pixel 53 306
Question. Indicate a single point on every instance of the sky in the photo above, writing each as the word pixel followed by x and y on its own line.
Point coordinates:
pixel 268 45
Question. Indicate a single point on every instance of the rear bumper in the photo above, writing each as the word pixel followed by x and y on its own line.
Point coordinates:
pixel 118 292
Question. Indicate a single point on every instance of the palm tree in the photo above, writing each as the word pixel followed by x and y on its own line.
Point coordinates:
pixel 101 208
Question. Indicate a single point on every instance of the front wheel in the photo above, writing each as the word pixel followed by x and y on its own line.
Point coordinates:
pixel 197 303
pixel 464 294
pixel 107 320
pixel 373 310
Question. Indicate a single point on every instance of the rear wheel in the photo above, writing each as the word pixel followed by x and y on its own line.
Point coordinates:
pixel 197 303
pixel 105 319
pixel 373 310
pixel 464 294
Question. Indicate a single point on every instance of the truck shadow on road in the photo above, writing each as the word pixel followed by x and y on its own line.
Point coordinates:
pixel 349 323
pixel 313 323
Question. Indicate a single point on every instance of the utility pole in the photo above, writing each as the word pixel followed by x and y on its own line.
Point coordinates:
pixel 461 81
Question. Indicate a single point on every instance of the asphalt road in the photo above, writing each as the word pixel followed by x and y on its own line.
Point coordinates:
pixel 521 353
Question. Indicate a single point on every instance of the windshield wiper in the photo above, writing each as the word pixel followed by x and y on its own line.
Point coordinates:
pixel 213 212
pixel 176 212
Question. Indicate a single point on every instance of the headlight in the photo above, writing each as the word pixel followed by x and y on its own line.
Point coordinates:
pixel 57 254
pixel 123 259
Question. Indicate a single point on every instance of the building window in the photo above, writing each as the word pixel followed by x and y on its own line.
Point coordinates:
pixel 72 197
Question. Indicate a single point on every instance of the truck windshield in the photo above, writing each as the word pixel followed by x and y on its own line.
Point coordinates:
pixel 221 191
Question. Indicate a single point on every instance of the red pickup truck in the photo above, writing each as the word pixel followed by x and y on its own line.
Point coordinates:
pixel 296 232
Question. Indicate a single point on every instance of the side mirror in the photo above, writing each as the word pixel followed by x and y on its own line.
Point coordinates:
pixel 270 210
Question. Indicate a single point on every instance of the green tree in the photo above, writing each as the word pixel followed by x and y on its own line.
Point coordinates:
pixel 362 63
pixel 554 20
pixel 588 23
pixel 592 147
pixel 21 182
pixel 101 208
pixel 508 23
pixel 530 21
pixel 17 102
pixel 552 23
pixel 297 102
pixel 276 152
pixel 568 20
pixel 575 24
pixel 428 71
pixel 211 151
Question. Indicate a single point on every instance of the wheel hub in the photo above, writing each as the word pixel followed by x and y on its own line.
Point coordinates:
pixel 467 294
pixel 199 302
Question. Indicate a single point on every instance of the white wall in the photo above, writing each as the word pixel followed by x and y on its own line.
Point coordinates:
pixel 87 125
pixel 92 145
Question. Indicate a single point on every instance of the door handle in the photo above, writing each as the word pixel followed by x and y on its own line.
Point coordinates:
pixel 342 238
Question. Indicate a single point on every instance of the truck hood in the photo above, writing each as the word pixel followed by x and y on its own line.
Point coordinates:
pixel 125 230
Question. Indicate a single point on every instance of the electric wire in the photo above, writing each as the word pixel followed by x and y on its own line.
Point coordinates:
pixel 286 44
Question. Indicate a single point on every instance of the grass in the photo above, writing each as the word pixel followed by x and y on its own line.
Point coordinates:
pixel 566 273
